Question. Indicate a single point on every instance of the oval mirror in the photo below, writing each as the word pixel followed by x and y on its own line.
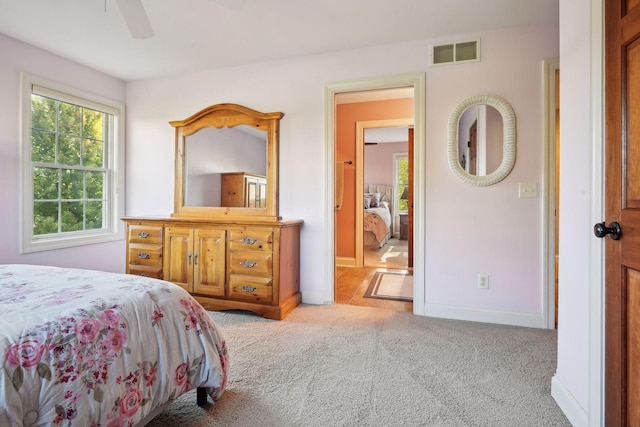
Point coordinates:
pixel 481 140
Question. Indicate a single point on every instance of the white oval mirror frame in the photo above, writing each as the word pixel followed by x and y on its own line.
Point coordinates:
pixel 508 147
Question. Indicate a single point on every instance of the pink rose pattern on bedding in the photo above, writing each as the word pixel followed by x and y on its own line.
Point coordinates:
pixel 83 348
pixel 378 221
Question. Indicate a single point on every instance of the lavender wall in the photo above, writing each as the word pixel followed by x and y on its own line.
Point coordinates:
pixel 378 162
pixel 16 58
pixel 510 67
pixel 512 258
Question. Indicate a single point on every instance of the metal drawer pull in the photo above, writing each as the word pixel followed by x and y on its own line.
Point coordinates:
pixel 143 234
pixel 143 255
pixel 143 275
pixel 248 264
pixel 189 255
pixel 195 258
pixel 248 240
pixel 248 288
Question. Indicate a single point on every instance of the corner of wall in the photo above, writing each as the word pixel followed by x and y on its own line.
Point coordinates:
pixel 575 413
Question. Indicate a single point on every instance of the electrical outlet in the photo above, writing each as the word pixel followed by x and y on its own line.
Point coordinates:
pixel 483 281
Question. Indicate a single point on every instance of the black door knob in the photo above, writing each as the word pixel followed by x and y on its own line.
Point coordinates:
pixel 613 230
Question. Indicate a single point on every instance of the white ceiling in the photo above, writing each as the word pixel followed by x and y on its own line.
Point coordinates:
pixel 193 35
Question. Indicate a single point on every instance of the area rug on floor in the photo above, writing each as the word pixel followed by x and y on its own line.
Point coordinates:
pixel 396 285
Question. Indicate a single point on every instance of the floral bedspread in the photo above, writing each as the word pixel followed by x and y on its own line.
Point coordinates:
pixel 88 348
pixel 378 221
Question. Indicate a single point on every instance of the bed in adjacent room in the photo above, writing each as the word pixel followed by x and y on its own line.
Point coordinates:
pixel 88 348
pixel 378 215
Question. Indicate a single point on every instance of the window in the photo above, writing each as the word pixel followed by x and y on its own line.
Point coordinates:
pixel 72 166
pixel 401 184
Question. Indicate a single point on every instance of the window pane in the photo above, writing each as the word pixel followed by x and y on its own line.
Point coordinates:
pixel 93 124
pixel 45 184
pixel 68 150
pixel 403 204
pixel 403 171
pixel 95 184
pixel 92 153
pixel 402 182
pixel 70 119
pixel 45 218
pixel 72 184
pixel 43 113
pixel 43 146
pixel 71 216
pixel 94 215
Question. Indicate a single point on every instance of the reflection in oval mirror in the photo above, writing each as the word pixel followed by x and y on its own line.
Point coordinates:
pixel 480 140
pixel 459 139
pixel 211 153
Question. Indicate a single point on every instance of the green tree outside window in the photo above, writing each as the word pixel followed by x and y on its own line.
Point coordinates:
pixel 403 183
pixel 68 164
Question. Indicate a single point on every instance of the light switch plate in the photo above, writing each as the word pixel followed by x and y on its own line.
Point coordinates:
pixel 527 189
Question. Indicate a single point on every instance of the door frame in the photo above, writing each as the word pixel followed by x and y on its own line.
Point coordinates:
pixel 418 82
pixel 596 249
pixel 549 184
pixel 361 126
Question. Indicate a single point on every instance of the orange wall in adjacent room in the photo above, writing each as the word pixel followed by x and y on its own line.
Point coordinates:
pixel 346 117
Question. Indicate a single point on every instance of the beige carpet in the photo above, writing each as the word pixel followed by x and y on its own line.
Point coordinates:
pixel 396 285
pixel 343 365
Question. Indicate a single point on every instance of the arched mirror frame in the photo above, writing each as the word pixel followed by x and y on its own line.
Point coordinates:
pixel 219 116
pixel 508 143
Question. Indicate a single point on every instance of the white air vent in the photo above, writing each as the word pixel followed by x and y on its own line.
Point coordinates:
pixel 466 51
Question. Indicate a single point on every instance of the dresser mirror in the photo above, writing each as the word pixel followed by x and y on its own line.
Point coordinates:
pixel 481 140
pixel 227 163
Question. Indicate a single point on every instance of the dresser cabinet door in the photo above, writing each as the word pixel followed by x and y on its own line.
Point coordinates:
pixel 251 193
pixel 178 259
pixel 209 261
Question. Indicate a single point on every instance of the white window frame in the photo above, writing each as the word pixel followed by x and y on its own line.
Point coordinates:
pixel 396 171
pixel 114 159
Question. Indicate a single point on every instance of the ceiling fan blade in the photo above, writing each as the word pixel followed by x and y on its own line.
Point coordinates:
pixel 136 18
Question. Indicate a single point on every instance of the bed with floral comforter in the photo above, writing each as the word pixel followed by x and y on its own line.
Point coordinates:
pixel 87 348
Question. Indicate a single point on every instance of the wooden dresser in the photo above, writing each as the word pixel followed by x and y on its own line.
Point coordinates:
pixel 241 189
pixel 235 264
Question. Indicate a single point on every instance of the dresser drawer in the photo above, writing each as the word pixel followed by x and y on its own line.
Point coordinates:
pixel 146 271
pixel 251 240
pixel 251 288
pixel 253 263
pixel 140 254
pixel 147 234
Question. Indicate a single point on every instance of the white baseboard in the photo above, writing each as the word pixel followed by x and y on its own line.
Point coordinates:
pixel 530 320
pixel 314 298
pixel 575 413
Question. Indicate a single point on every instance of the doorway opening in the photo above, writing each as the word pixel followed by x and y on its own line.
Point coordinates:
pixel 379 275
pixel 343 267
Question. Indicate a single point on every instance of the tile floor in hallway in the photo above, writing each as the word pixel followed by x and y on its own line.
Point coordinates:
pixel 352 283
